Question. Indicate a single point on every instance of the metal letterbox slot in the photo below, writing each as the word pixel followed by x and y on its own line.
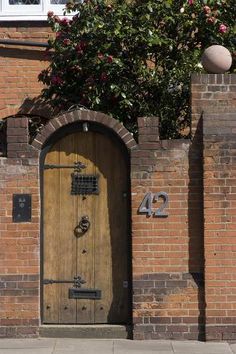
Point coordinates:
pixel 92 294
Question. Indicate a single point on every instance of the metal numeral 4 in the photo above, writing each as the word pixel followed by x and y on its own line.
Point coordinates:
pixel 146 205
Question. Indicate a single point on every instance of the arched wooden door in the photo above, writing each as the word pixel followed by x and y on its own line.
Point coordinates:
pixel 85 231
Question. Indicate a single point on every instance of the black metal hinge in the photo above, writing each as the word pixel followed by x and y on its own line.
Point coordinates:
pixel 77 166
pixel 78 281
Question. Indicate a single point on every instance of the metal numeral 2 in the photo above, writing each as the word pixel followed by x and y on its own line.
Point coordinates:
pixel 146 205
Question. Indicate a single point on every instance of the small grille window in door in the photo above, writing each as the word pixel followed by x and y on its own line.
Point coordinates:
pixel 84 184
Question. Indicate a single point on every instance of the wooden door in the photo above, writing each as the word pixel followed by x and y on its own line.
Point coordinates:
pixel 100 255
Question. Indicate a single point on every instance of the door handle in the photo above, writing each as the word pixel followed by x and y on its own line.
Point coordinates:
pixel 82 227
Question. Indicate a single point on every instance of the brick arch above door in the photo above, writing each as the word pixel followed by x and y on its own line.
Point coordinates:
pixel 67 118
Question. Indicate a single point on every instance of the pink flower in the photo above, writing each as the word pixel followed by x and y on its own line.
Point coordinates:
pixel 207 9
pixel 79 52
pixel 50 13
pixel 58 34
pixel 103 77
pixel 190 2
pixel 90 80
pixel 76 68
pixel 65 21
pixel 223 28
pixel 57 19
pixel 110 58
pixel 56 80
pixel 80 48
pixel 66 41
pixel 100 56
pixel 82 45
pixel 211 19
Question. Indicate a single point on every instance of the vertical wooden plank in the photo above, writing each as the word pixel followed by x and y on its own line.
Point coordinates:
pixel 85 243
pixel 111 210
pixel 51 200
pixel 103 255
pixel 66 239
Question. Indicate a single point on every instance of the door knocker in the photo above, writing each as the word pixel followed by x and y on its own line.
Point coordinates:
pixel 82 227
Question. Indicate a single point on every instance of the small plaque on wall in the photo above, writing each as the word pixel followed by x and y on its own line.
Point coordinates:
pixel 21 208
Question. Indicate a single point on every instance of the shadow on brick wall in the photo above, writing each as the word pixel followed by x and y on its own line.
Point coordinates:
pixel 3 138
pixel 196 223
pixel 37 106
pixel 28 54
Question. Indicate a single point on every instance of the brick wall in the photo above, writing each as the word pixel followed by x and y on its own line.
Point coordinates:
pixel 167 252
pixel 215 95
pixel 20 66
pixel 19 242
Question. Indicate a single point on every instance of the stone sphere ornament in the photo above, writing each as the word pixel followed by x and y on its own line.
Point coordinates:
pixel 216 59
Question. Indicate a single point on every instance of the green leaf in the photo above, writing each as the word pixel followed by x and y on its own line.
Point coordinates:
pixel 150 7
pixel 128 103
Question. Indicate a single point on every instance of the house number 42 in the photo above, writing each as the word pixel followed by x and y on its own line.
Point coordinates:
pixel 149 199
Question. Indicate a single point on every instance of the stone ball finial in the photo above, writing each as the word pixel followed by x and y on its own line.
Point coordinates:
pixel 216 59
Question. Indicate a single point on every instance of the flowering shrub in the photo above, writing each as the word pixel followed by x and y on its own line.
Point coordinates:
pixel 131 59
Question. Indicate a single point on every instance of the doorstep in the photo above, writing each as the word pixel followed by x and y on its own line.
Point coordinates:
pixel 86 331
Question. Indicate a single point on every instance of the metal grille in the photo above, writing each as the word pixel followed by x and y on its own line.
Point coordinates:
pixel 84 184
pixel 24 2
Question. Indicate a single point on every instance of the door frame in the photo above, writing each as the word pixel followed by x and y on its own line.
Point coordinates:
pixel 57 135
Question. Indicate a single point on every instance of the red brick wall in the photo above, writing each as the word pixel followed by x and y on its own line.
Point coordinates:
pixel 215 95
pixel 19 242
pixel 20 66
pixel 167 252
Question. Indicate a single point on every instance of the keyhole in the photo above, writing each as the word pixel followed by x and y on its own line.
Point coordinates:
pixel 101 308
pixel 84 251
pixel 84 308
pixel 66 307
pixel 48 307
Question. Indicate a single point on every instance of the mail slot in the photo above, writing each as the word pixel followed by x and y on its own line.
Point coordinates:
pixel 93 294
